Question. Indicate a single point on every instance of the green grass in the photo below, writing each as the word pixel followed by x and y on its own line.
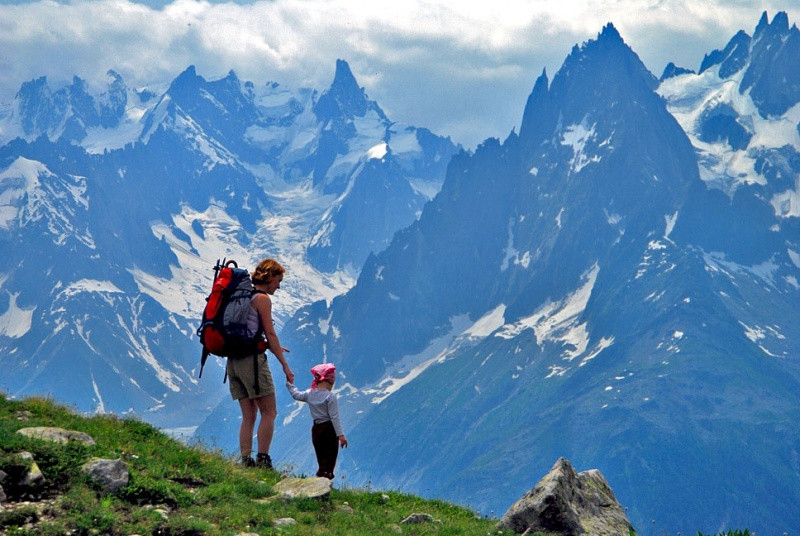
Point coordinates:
pixel 177 489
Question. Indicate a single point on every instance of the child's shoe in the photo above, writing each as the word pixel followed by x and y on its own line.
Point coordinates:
pixel 263 461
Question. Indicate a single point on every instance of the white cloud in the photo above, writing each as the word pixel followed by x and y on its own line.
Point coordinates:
pixel 459 68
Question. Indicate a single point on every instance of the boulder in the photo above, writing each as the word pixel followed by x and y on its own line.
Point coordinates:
pixel 23 480
pixel 568 503
pixel 34 477
pixel 59 435
pixel 345 508
pixel 111 475
pixel 416 518
pixel 297 488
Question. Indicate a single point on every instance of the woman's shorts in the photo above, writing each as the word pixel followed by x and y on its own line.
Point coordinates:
pixel 241 375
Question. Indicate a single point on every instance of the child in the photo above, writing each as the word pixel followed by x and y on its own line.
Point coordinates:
pixel 327 429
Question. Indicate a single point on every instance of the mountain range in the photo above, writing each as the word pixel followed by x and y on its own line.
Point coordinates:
pixel 616 283
pixel 116 207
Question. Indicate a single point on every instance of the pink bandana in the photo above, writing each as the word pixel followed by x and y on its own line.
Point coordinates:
pixel 323 372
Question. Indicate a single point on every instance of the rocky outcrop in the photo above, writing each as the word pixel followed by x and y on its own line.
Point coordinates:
pixel 568 503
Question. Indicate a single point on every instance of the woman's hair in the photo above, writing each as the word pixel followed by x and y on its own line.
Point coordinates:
pixel 266 270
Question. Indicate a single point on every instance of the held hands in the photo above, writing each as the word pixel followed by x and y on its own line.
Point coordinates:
pixel 289 374
pixel 343 441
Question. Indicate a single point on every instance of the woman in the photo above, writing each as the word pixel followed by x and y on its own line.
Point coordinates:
pixel 259 397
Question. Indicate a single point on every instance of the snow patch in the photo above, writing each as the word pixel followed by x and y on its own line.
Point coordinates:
pixel 559 323
pixel 377 152
pixel 16 321
pixel 101 407
pixel 759 334
pixel 716 262
pixel 99 139
pixel 558 217
pixel 576 136
pixel 324 324
pixel 411 366
pixel 487 324
pixel 511 254
pixel 787 204
pixel 670 221
pixel 18 182
pixel 795 257
pixel 612 219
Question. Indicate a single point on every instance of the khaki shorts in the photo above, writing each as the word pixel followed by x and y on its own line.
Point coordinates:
pixel 242 381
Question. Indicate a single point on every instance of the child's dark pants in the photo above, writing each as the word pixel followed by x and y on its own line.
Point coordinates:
pixel 326 445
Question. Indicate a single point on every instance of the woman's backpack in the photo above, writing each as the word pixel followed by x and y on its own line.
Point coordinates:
pixel 223 331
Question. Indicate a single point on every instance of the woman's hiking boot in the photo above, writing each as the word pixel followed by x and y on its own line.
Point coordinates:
pixel 263 461
pixel 247 461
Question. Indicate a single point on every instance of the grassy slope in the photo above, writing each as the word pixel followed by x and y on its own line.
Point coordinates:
pixel 178 489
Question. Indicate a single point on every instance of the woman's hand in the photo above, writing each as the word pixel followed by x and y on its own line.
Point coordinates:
pixel 343 441
pixel 289 374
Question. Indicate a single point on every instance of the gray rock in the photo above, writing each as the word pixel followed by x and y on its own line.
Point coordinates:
pixel 3 496
pixel 59 435
pixel 570 504
pixel 297 488
pixel 34 478
pixel 283 522
pixel 345 508
pixel 112 475
pixel 418 518
pixel 160 509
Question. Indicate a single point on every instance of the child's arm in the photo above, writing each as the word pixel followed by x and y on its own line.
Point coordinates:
pixel 296 393
pixel 333 412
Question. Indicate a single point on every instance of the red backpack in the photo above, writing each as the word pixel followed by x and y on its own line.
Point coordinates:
pixel 223 331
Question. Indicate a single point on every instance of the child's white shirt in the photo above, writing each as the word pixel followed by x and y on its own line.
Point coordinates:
pixel 322 403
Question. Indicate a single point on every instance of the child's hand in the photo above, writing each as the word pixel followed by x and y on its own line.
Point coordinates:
pixel 343 441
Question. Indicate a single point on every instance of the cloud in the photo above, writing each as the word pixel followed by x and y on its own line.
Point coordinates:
pixel 460 68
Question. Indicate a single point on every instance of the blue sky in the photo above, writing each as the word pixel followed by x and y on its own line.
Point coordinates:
pixel 461 68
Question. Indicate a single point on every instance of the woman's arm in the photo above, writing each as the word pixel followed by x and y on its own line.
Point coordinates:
pixel 263 305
